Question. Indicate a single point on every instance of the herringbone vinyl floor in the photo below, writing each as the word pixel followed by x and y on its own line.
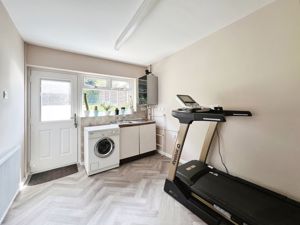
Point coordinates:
pixel 129 195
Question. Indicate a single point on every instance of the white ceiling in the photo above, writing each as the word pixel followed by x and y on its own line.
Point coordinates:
pixel 91 27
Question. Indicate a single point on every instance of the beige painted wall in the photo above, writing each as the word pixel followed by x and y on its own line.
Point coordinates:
pixel 46 57
pixel 11 80
pixel 253 64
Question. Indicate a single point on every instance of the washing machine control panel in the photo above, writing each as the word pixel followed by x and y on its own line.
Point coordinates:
pixel 107 133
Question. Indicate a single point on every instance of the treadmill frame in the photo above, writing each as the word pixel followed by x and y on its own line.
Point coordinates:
pixel 207 211
pixel 214 117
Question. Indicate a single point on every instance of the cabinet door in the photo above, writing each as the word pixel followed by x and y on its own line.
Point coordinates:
pixel 152 93
pixel 129 139
pixel 147 138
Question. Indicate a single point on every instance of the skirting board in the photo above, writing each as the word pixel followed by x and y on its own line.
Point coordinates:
pixel 10 204
pixel 10 165
pixel 182 161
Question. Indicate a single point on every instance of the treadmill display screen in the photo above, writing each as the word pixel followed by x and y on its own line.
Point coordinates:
pixel 186 99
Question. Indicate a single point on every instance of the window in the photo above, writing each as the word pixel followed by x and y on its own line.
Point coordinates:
pixel 107 93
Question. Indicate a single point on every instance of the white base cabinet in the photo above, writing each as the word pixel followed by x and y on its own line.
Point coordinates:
pixel 129 141
pixel 135 140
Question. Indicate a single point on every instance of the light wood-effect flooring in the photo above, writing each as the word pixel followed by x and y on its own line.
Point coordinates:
pixel 129 195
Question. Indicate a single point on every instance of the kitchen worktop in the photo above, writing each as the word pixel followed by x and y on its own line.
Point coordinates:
pixel 134 123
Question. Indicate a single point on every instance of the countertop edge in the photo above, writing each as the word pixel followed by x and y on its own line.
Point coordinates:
pixel 136 124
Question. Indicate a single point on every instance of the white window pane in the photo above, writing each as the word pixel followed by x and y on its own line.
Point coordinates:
pixel 117 84
pixel 95 82
pixel 114 97
pixel 123 99
pixel 55 100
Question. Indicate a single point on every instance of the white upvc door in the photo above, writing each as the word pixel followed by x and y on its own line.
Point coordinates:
pixel 53 116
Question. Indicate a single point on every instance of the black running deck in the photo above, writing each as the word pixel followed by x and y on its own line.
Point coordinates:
pixel 245 202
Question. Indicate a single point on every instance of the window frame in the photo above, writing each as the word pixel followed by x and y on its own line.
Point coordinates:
pixel 109 78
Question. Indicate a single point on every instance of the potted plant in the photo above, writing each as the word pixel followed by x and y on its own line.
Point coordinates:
pixel 106 108
pixel 96 111
pixel 87 112
pixel 123 111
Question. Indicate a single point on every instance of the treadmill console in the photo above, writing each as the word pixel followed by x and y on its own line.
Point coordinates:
pixel 187 101
pixel 189 104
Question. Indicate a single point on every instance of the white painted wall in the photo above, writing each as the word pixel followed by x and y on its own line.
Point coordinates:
pixel 52 58
pixel 11 111
pixel 253 64
pixel 11 80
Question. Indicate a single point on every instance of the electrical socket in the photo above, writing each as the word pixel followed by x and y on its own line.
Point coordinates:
pixel 5 94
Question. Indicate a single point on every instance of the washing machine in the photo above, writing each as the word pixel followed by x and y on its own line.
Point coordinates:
pixel 101 148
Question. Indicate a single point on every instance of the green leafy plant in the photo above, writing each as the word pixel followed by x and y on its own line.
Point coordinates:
pixel 106 107
pixel 86 102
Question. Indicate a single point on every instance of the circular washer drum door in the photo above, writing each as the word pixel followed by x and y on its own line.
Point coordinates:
pixel 104 147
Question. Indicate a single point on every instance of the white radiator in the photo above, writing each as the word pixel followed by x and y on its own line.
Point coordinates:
pixel 10 164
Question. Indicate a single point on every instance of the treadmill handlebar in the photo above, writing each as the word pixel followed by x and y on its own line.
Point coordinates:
pixel 188 117
pixel 237 113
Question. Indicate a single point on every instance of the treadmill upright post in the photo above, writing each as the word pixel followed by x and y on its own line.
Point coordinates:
pixel 183 129
pixel 207 141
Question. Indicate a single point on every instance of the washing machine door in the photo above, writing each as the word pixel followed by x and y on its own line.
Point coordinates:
pixel 104 147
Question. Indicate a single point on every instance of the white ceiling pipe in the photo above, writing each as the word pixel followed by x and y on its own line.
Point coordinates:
pixel 136 20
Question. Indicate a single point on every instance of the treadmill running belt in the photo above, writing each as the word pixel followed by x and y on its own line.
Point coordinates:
pixel 245 202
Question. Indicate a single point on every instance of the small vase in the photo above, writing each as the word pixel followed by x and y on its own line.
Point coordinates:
pixel 86 113
pixel 130 110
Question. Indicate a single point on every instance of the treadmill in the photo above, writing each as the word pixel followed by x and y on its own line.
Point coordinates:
pixel 215 196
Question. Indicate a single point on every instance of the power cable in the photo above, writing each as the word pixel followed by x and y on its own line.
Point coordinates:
pixel 219 150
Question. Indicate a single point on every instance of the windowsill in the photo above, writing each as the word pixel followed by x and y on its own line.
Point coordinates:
pixel 102 114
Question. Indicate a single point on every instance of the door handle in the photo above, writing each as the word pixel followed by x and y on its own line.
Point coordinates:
pixel 75 120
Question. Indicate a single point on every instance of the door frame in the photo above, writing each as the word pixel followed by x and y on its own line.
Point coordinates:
pixel 76 110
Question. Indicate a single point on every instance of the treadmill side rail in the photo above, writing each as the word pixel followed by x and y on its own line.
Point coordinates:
pixel 237 113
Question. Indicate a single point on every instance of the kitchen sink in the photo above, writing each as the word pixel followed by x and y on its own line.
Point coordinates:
pixel 131 121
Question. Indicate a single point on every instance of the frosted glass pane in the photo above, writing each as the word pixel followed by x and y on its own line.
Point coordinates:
pixel 95 82
pixel 55 100
pixel 117 84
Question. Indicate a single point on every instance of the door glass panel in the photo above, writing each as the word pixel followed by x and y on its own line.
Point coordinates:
pixel 55 100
